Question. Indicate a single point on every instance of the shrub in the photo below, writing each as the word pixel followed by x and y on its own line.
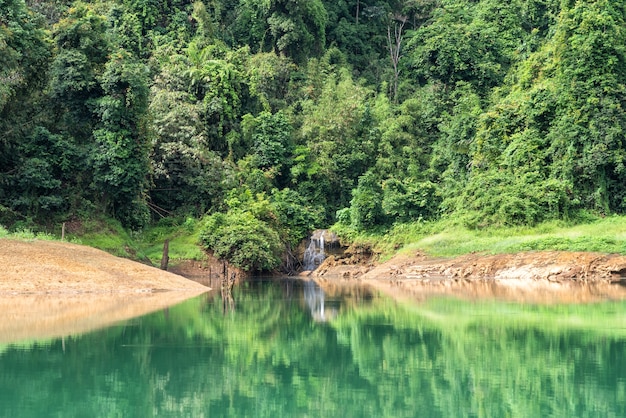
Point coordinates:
pixel 243 240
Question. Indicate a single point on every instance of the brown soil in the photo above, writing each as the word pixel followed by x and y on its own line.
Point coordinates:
pixel 53 289
pixel 46 267
pixel 549 276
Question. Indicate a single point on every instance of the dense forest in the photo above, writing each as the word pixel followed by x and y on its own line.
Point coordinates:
pixel 269 118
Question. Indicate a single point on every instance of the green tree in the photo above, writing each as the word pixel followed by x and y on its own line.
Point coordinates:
pixel 25 52
pixel 214 77
pixel 82 50
pixel 121 154
pixel 473 43
pixel 270 136
pixel 243 240
pixel 556 135
pixel 338 140
pixel 188 176
pixel 293 28
pixel 366 211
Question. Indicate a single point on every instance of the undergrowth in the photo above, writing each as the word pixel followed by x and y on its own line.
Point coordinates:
pixel 446 238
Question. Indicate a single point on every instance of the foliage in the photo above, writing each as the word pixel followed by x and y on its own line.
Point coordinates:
pixel 505 114
pixel 242 239
pixel 258 229
pixel 121 152
pixel 337 142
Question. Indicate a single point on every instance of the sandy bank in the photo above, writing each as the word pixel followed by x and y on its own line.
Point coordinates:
pixel 53 289
pixel 45 267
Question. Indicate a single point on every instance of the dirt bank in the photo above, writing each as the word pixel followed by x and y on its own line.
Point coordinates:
pixel 549 276
pixel 53 289
pixel 44 267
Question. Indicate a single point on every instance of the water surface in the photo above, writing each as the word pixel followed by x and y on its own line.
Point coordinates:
pixel 289 350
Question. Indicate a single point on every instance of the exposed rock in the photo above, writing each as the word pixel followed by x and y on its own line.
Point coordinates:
pixel 543 276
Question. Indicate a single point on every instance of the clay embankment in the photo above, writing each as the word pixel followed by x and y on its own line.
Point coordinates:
pixel 549 276
pixel 56 267
pixel 53 289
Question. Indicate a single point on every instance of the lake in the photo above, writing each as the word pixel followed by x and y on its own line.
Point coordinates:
pixel 287 349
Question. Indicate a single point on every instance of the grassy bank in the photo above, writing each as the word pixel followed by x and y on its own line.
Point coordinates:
pixel 447 239
pixel 145 246
pixel 440 239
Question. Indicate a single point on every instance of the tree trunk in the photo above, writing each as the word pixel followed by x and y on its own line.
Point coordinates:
pixel 166 255
pixel 394 50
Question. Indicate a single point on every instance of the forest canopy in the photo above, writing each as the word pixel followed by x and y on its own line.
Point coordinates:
pixel 276 117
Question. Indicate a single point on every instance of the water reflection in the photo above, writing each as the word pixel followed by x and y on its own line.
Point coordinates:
pixel 27 317
pixel 271 357
pixel 315 297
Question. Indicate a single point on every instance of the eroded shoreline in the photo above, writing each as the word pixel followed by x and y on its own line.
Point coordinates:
pixel 534 277
pixel 53 289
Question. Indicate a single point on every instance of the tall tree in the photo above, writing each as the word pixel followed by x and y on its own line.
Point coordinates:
pixel 24 58
pixel 121 153
pixel 338 142
pixel 294 28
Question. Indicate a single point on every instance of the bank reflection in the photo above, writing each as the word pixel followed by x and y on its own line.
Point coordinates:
pixel 272 356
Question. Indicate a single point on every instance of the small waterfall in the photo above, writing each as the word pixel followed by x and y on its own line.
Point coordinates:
pixel 314 253
pixel 320 242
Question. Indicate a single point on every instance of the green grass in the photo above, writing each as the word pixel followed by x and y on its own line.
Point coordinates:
pixel 184 239
pixel 183 235
pixel 25 235
pixel 108 235
pixel 447 239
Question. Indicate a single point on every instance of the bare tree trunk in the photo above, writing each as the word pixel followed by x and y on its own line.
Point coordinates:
pixel 358 10
pixel 394 50
pixel 166 255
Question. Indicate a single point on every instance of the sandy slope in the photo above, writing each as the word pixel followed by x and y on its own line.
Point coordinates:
pixel 52 289
pixel 56 267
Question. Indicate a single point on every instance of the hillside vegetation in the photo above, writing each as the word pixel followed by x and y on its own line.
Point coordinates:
pixel 259 121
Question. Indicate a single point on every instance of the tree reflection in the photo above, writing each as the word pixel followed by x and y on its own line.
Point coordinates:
pixel 270 357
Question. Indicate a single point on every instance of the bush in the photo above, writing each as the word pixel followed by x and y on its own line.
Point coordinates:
pixel 409 200
pixel 242 240
pixel 365 207
pixel 499 198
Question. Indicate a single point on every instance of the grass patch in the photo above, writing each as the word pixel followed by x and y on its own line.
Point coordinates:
pixel 108 235
pixel 183 236
pixel 25 235
pixel 446 239
pixel 146 245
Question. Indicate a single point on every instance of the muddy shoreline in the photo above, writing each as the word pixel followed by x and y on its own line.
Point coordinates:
pixel 537 277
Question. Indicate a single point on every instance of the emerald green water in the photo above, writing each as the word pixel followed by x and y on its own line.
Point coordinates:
pixel 267 356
